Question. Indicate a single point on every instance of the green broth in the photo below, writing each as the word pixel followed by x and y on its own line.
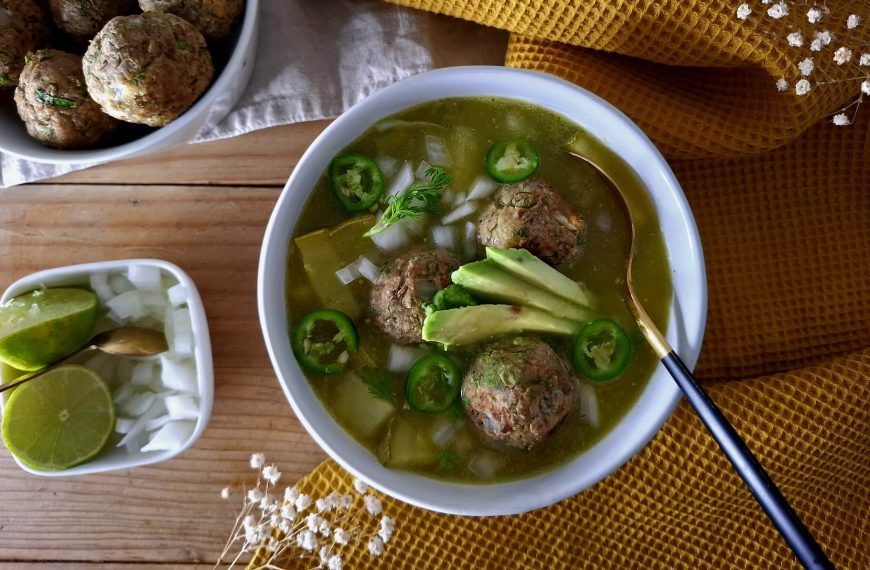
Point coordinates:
pixel 469 126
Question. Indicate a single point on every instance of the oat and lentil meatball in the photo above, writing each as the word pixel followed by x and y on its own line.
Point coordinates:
pixel 22 29
pixel 517 390
pixel 403 286
pixel 533 216
pixel 54 104
pixel 147 69
pixel 82 19
pixel 214 18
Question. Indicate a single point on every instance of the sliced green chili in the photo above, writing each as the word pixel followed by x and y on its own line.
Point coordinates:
pixel 433 384
pixel 323 341
pixel 602 350
pixel 512 160
pixel 356 181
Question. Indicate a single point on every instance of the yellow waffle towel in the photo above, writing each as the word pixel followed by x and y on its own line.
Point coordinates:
pixel 782 200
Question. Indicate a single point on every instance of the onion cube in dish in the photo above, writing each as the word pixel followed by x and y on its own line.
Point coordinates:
pixel 171 436
pixel 129 305
pixel 179 375
pixel 177 295
pixel 182 407
pixel 144 277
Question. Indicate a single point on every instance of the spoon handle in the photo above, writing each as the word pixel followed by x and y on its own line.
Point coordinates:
pixel 37 373
pixel 750 470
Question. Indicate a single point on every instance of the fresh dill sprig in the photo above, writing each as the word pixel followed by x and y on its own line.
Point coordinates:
pixel 379 382
pixel 421 197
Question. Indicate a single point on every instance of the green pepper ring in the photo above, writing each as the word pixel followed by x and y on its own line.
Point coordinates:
pixel 337 169
pixel 497 151
pixel 621 352
pixel 301 333
pixel 433 394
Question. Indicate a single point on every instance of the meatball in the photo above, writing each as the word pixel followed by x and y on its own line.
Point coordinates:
pixel 53 102
pixel 82 19
pixel 403 286
pixel 22 29
pixel 214 18
pixel 147 69
pixel 533 216
pixel 517 390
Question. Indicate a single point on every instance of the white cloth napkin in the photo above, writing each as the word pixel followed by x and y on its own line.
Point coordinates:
pixel 315 58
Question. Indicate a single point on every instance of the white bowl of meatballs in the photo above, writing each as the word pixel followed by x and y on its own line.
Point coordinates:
pixel 441 290
pixel 95 81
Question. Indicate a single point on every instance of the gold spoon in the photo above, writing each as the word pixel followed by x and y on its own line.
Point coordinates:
pixel 744 462
pixel 125 341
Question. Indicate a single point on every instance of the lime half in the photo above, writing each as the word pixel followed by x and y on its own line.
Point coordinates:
pixel 59 420
pixel 45 325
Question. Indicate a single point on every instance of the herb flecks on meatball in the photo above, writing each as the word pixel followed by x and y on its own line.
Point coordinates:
pixel 23 28
pixel 404 285
pixel 53 102
pixel 82 19
pixel 214 18
pixel 531 215
pixel 517 390
pixel 147 69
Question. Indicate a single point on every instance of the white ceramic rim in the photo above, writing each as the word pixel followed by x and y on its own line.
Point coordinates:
pixel 167 132
pixel 80 273
pixel 685 329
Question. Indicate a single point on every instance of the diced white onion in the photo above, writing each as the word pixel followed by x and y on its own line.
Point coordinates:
pixel 368 269
pixel 462 211
pixel 181 340
pixel 144 277
pixel 470 241
pixel 157 422
pixel 128 305
pixel 387 164
pixel 100 284
pixel 394 237
pixel 154 300
pixel 177 295
pixel 143 374
pixel 486 464
pixel 436 152
pixel 604 222
pixel 444 237
pixel 171 436
pixel 182 407
pixel 420 173
pixel 123 393
pixel 403 179
pixel 120 284
pixel 444 432
pixel 588 404
pixel 482 188
pixel 178 375
pixel 402 358
pixel 124 425
pixel 459 199
pixel 138 404
pixel 348 273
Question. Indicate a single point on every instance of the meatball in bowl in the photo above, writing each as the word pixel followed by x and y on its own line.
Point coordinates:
pixel 441 291
pixel 23 28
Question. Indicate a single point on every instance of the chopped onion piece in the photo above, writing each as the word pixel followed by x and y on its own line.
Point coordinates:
pixel 436 152
pixel 348 273
pixel 444 431
pixel 482 187
pixel 171 436
pixel 138 404
pixel 486 464
pixel 459 199
pixel 123 393
pixel 154 299
pixel 368 269
pixel 124 425
pixel 182 407
pixel 178 375
pixel 402 358
pixel 444 237
pixel 177 295
pixel 403 179
pixel 100 284
pixel 462 211
pixel 144 277
pixel 129 305
pixel 604 222
pixel 588 403
pixel 387 164
pixel 135 444
pixel 139 427
pixel 143 374
pixel 179 333
pixel 120 284
pixel 394 237
pixel 420 173
pixel 157 422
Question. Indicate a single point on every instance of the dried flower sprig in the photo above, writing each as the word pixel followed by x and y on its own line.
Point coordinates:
pixel 825 48
pixel 270 531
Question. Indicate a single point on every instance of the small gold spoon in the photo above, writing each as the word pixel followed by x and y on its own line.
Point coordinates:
pixel 744 462
pixel 125 341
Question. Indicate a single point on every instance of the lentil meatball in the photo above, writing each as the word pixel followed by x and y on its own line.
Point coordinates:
pixel 82 19
pixel 147 69
pixel 22 29
pixel 53 102
pixel 517 390
pixel 403 286
pixel 533 216
pixel 214 18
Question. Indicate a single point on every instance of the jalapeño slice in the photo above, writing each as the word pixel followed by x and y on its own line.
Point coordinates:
pixel 323 341
pixel 356 181
pixel 602 350
pixel 512 160
pixel 433 384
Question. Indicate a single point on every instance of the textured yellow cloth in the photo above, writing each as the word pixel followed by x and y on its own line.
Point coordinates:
pixel 783 206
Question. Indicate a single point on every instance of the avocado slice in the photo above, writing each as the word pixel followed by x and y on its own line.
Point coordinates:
pixel 485 279
pixel 527 267
pixel 470 325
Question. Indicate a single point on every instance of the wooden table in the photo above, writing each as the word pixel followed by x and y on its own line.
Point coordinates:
pixel 203 207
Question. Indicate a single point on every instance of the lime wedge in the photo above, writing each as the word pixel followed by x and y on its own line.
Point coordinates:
pixel 59 420
pixel 45 325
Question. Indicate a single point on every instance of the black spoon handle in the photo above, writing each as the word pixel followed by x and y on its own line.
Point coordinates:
pixel 750 470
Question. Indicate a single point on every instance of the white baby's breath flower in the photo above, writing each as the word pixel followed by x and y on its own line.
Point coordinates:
pixel 373 505
pixel 284 526
pixel 345 501
pixel 853 21
pixel 324 505
pixel 360 486
pixel 303 501
pixel 225 493
pixel 806 66
pixel 334 562
pixel 814 15
pixel 324 529
pixel 778 10
pixel 271 474
pixel 840 119
pixel 376 546
pixel 341 536
pixel 781 84
pixel 816 45
pixel 290 494
pixel 268 504
pixel 249 522
pixel 825 37
pixel 324 554
pixel 313 521
pixel 743 11
pixel 865 59
pixel 388 525
pixel 307 540
pixel 865 87
pixel 255 495
pixel 275 520
pixel 257 461
pixel 288 513
pixel 802 87
pixel 795 39
pixel 842 56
